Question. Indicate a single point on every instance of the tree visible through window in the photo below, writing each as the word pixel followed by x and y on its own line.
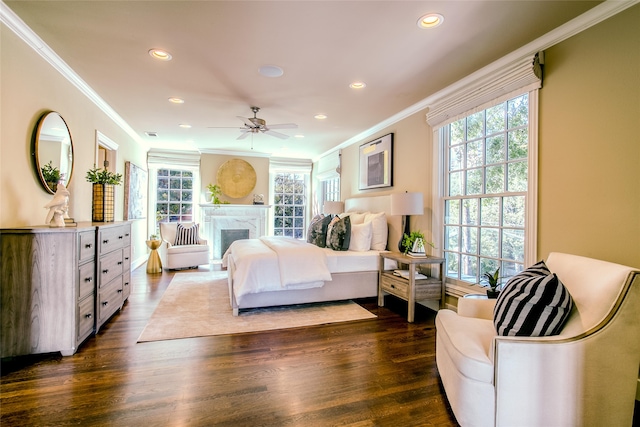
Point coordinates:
pixel 174 201
pixel 289 205
pixel 486 188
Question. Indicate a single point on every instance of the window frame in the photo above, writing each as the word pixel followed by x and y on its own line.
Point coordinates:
pixel 305 205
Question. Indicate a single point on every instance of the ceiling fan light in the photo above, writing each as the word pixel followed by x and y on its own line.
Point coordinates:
pixel 430 20
pixel 160 54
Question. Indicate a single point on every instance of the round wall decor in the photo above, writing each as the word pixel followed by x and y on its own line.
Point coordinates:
pixel 236 178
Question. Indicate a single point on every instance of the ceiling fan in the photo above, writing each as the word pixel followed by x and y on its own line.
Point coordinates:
pixel 256 124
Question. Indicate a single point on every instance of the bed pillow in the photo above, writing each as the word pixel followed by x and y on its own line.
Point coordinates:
pixel 187 235
pixel 317 233
pixel 339 234
pixel 361 237
pixel 356 218
pixel 532 304
pixel 380 230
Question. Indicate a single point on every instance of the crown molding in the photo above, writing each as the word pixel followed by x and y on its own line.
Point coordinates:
pixel 22 30
pixel 233 153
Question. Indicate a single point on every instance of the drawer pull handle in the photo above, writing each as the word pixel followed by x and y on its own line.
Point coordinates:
pixel 126 258
pixel 88 279
pixel 120 237
pixel 105 241
pixel 393 286
pixel 119 291
pixel 105 271
pixel 105 303
pixel 88 315
pixel 88 245
pixel 126 283
pixel 119 262
pixel 127 234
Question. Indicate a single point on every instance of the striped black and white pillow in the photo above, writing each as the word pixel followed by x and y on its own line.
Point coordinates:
pixel 533 303
pixel 187 235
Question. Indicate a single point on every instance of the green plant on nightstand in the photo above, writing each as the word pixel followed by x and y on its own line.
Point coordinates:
pixel 409 240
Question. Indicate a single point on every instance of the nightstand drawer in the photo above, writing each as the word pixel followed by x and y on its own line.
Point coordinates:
pixel 395 286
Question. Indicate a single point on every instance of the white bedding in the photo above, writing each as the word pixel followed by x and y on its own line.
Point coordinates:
pixel 352 261
pixel 276 263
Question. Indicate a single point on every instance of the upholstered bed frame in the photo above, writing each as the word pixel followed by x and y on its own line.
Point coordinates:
pixel 343 286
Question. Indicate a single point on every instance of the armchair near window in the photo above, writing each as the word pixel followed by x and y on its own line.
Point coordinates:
pixel 182 248
pixel 585 376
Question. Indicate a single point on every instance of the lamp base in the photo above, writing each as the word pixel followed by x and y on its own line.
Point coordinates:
pixel 405 227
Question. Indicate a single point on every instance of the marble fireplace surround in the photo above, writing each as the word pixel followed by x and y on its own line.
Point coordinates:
pixel 216 218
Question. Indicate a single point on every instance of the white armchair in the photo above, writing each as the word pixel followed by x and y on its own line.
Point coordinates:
pixel 181 256
pixel 586 376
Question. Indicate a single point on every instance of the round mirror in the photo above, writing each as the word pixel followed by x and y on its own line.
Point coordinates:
pixel 53 151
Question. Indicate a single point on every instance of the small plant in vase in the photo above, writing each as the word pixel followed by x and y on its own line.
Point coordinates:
pixel 493 281
pixel 51 175
pixel 414 242
pixel 216 191
pixel 104 183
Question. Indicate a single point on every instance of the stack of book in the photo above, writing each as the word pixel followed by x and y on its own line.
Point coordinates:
pixel 416 254
pixel 405 274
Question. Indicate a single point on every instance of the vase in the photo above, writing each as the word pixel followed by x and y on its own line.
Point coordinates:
pixel 103 202
pixel 492 294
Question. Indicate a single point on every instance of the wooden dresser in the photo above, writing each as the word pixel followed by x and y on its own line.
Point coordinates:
pixel 52 291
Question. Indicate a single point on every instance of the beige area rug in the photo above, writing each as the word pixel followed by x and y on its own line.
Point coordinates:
pixel 197 305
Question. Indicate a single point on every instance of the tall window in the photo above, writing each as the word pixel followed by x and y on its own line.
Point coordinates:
pixel 485 196
pixel 174 194
pixel 289 201
pixel 330 190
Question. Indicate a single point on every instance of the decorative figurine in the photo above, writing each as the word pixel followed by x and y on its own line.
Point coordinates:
pixel 58 207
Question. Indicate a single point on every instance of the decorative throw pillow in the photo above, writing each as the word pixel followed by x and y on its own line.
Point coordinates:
pixel 380 230
pixel 187 235
pixel 360 237
pixel 339 234
pixel 317 233
pixel 533 303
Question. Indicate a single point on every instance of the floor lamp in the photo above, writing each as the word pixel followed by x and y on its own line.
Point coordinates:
pixel 406 204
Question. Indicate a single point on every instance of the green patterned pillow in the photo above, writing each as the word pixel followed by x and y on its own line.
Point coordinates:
pixel 339 234
pixel 317 233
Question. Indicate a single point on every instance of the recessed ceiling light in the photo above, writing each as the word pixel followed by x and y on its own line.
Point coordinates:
pixel 320 116
pixel 430 20
pixel 271 71
pixel 153 134
pixel 298 136
pixel 176 100
pixel 358 85
pixel 160 54
pixel 185 126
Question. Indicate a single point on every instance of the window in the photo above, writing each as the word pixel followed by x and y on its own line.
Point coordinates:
pixel 174 194
pixel 486 184
pixel 289 199
pixel 330 190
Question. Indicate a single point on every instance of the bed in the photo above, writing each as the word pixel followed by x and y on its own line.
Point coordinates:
pixel 349 274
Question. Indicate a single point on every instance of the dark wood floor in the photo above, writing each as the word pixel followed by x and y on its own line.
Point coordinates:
pixel 378 372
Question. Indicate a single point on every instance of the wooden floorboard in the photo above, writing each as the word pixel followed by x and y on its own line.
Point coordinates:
pixel 378 372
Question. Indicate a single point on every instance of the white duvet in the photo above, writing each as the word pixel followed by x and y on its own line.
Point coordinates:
pixel 276 263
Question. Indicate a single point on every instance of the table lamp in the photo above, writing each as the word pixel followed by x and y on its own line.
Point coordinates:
pixel 406 204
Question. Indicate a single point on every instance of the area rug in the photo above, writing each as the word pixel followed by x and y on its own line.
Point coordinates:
pixel 197 305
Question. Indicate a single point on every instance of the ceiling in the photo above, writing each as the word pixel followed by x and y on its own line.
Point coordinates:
pixel 217 48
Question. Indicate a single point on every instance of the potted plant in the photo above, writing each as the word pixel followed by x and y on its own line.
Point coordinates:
pixel 51 175
pixel 216 191
pixel 494 282
pixel 104 183
pixel 409 240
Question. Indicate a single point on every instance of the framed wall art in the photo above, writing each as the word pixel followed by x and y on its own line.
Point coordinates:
pixel 376 163
pixel 135 192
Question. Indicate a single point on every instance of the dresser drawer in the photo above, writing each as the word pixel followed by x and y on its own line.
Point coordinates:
pixel 86 279
pixel 109 299
pixel 110 267
pixel 110 239
pixel 87 246
pixel 86 317
pixel 126 285
pixel 126 258
pixel 395 286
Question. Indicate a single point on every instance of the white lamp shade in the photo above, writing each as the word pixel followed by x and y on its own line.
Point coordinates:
pixel 407 204
pixel 332 208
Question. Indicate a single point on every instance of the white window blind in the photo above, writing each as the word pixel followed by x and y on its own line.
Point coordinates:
pixel 277 164
pixel 173 159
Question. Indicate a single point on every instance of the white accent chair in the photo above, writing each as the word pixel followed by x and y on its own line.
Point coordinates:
pixel 586 376
pixel 182 256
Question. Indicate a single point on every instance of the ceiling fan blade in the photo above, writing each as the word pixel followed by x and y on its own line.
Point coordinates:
pixel 276 134
pixel 283 126
pixel 246 121
pixel 244 135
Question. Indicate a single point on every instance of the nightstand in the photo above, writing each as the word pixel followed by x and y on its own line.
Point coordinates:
pixel 408 288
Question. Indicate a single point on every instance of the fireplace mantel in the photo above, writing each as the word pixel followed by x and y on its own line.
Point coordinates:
pixel 216 218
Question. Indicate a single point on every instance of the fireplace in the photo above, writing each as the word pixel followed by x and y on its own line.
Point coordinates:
pixel 251 219
pixel 227 237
